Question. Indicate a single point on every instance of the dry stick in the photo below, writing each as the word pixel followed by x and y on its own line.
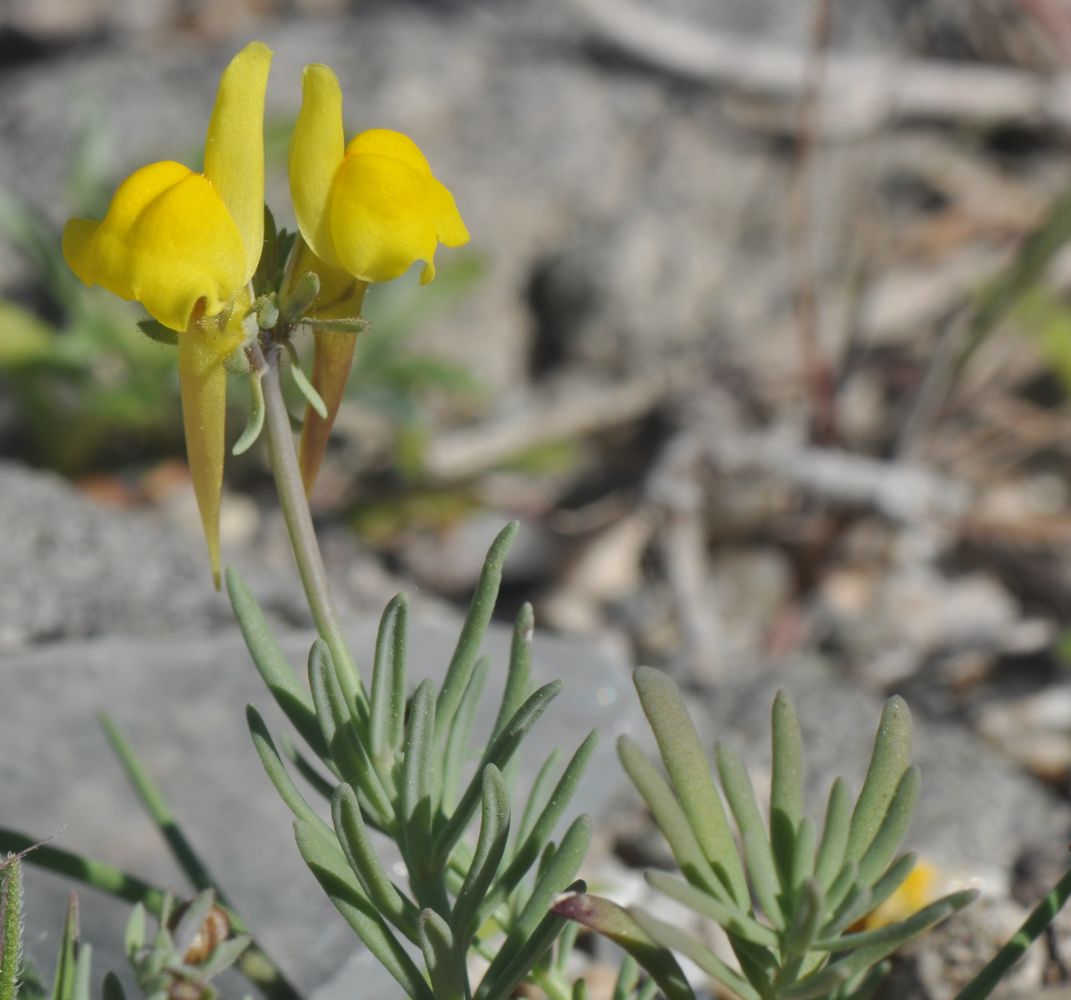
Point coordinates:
pixel 817 373
pixel 863 91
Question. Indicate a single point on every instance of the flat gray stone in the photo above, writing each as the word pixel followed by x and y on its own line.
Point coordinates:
pixel 180 703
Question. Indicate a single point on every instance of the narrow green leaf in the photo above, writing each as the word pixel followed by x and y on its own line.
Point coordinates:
pixel 757 851
pixel 255 423
pixel 10 926
pixel 387 718
pixel 296 298
pixel 457 741
pixel 361 855
pixel 490 846
pixel 580 989
pixel 416 777
pixel 887 840
pixel 501 984
pixel 842 886
pixel 134 935
pixel 342 889
pixel 519 675
pixel 276 770
pixel 890 759
pixel 542 828
pixel 856 904
pixel 339 729
pixel 628 972
pixel 307 769
pixel 271 662
pixel 563 950
pixel 689 773
pixel 806 919
pixel 803 855
pixel 896 875
pixel 869 982
pixel 786 790
pixel 673 937
pixel 538 797
pixel 834 840
pixel 449 979
pixel 670 819
pixel 305 387
pixel 555 875
pixel 472 632
pixel 725 915
pixel 499 752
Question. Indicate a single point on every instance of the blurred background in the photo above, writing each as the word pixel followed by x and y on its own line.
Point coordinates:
pixel 763 334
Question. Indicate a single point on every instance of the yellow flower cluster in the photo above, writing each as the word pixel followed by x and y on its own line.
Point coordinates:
pixel 186 246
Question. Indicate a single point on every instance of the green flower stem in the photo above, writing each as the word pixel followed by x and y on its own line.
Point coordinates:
pixel 1042 915
pixel 288 484
pixel 10 926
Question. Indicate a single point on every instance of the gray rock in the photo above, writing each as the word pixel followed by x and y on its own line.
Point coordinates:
pixel 180 704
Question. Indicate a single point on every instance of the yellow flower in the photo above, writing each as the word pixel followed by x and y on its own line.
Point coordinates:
pixel 367 212
pixel 185 245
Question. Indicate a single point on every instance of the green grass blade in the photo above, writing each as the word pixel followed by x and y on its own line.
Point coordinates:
pixel 457 741
pixel 888 762
pixel 887 840
pixel 519 676
pixel 10 926
pixel 63 984
pixel 158 809
pixel 691 778
pixel 271 662
pixel 89 871
pixel 786 790
pixel 490 847
pixel 83 966
pixel 671 820
pixel 387 711
pixel 1032 928
pixel 757 851
pixel 680 941
pixel 326 862
pixel 361 855
pixel 726 916
pixel 612 921
pixel 499 752
pixel 449 979
pixel 472 632
pixel 834 842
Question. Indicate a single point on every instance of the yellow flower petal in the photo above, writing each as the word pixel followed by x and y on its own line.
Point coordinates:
pixel 386 142
pixel 316 151
pixel 167 241
pixel 234 146
pixel 202 349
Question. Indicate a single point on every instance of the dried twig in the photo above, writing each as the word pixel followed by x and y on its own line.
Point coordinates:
pixel 865 92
